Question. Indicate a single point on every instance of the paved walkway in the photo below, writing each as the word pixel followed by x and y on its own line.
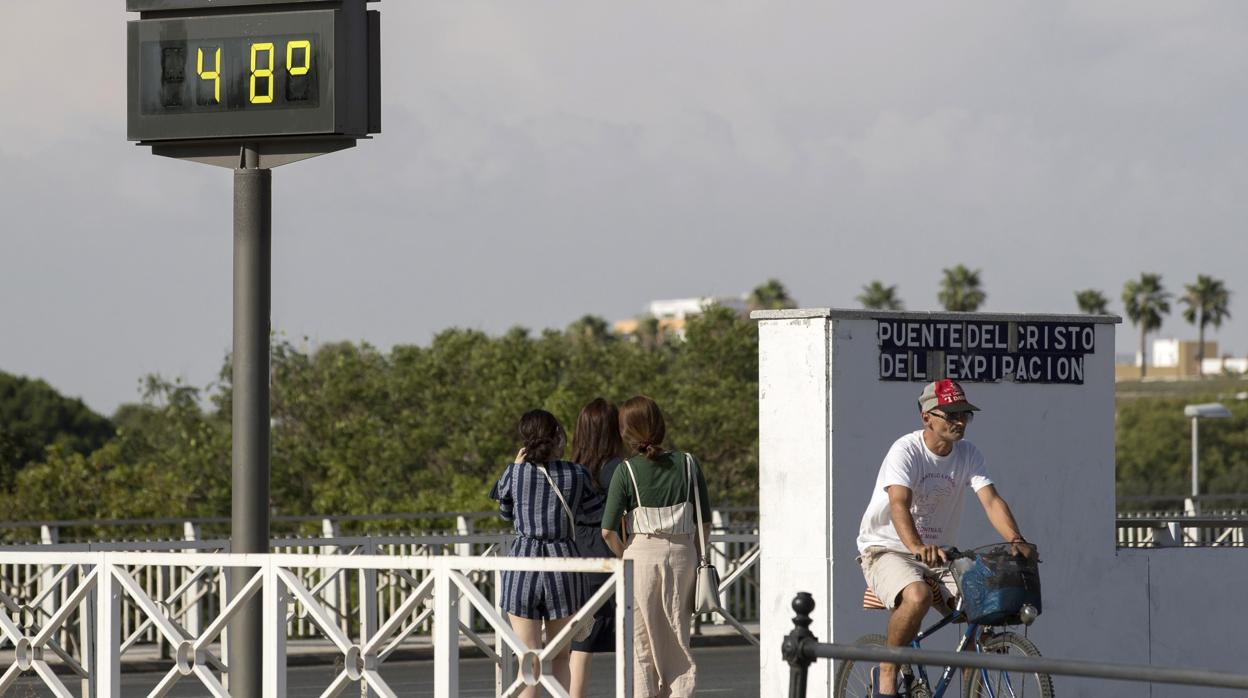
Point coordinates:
pixel 727 667
pixel 723 672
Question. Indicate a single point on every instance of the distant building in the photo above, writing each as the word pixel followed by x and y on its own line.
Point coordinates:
pixel 672 314
pixel 1176 358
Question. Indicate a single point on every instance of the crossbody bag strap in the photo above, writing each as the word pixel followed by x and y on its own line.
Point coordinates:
pixel 564 502
pixel 631 476
pixel 697 506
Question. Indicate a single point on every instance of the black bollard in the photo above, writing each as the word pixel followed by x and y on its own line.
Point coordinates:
pixel 794 650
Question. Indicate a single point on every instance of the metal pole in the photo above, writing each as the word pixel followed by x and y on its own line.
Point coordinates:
pixel 1027 665
pixel 795 648
pixel 1195 460
pixel 249 515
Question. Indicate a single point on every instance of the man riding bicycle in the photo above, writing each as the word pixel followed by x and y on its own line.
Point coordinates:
pixel 915 510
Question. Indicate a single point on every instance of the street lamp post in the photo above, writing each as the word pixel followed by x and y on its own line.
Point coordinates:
pixel 1208 410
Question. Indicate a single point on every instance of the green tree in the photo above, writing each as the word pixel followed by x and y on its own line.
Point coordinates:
pixel 1154 448
pixel 770 296
pixel 1145 301
pixel 877 296
pixel 1092 302
pixel 1208 303
pixel 711 402
pixel 649 333
pixel 591 328
pixel 960 290
pixel 34 416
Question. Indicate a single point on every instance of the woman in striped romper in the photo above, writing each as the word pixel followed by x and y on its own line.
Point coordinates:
pixel 545 498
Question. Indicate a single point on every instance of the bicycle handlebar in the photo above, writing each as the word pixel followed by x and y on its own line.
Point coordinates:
pixel 951 554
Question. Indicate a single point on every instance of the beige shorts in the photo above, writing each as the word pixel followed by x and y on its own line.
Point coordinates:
pixel 889 571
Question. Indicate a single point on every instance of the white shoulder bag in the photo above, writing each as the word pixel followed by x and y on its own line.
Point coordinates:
pixel 706 592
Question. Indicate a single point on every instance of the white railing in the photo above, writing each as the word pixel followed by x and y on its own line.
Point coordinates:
pixel 1166 529
pixel 192 595
pixel 92 588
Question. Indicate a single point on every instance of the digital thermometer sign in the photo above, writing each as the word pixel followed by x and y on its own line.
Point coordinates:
pixel 254 74
pixel 228 74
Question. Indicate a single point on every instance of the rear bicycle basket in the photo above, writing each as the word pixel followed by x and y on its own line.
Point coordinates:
pixel 996 582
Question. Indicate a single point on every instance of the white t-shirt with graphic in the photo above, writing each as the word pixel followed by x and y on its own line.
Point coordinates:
pixel 938 484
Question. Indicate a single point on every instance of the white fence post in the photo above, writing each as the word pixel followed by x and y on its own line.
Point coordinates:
pixel 48 535
pixel 335 591
pixel 87 625
pixel 719 522
pixel 445 633
pixel 274 634
pixel 464 527
pixel 108 625
pixel 506 668
pixel 624 629
pixel 368 612
pixel 193 618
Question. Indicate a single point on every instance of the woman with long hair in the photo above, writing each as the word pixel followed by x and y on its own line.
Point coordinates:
pixel 545 498
pixel 596 445
pixel 654 492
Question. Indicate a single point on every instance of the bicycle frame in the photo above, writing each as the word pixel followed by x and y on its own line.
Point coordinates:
pixel 947 675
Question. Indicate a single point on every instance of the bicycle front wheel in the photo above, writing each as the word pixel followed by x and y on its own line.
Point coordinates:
pixel 984 683
pixel 853 679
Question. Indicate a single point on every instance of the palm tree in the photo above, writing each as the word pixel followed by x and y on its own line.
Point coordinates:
pixel 649 332
pixel 877 296
pixel 591 328
pixel 960 291
pixel 770 296
pixel 1092 302
pixel 1207 303
pixel 1145 301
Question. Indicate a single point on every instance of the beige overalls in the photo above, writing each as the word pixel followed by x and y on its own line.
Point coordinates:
pixel 662 547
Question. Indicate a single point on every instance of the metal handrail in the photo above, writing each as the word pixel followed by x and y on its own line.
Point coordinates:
pixel 801 648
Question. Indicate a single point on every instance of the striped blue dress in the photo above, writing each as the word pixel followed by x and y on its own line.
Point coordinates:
pixel 543 530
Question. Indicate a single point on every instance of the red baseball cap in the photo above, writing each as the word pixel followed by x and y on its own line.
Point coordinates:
pixel 945 395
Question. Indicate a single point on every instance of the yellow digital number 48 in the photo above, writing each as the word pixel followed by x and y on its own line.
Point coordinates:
pixel 214 75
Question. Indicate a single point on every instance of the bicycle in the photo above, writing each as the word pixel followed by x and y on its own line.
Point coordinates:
pixel 853 678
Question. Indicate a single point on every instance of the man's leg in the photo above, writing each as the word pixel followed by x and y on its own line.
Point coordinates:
pixel 912 605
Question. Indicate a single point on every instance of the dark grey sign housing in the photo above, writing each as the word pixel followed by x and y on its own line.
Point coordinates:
pixel 251 85
pixel 295 78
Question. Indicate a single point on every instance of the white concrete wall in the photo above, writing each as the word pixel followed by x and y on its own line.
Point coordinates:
pixel 1192 616
pixel 795 486
pixel 824 428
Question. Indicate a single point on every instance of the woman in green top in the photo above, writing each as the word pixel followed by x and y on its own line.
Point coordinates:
pixel 650 505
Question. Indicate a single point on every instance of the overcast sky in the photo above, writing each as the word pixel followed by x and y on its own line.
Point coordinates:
pixel 544 160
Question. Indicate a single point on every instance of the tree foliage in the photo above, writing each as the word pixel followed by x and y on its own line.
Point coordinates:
pixel 770 296
pixel 1154 447
pixel 877 296
pixel 421 428
pixel 1145 301
pixel 1208 303
pixel 961 290
pixel 34 417
pixel 1092 302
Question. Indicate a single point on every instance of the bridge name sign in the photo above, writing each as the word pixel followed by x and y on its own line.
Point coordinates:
pixel 984 351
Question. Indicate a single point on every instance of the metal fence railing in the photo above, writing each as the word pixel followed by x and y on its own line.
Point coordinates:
pixel 734 551
pixel 34 587
pixel 97 587
pixel 801 649
pixel 1166 529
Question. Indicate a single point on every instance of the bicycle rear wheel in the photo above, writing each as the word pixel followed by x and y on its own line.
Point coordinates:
pixel 1006 684
pixel 853 679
